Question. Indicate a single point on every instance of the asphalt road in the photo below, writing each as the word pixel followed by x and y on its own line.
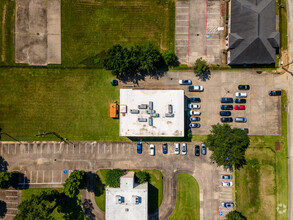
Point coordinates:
pixel 43 164
pixel 290 115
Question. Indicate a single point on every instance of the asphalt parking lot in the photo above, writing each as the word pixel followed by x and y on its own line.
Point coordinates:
pixel 44 163
pixel 263 112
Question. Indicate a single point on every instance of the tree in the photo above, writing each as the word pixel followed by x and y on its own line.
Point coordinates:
pixel 8 179
pixel 38 206
pixel 228 145
pixel 200 67
pixel 76 181
pixel 169 57
pixel 150 58
pixel 113 177
pixel 234 215
pixel 142 176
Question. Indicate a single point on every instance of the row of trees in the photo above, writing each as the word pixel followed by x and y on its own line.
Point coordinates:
pixel 113 177
pixel 129 61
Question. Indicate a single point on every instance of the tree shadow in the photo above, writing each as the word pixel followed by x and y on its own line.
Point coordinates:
pixel 3 209
pixel 88 208
pixel 153 199
pixel 3 165
pixel 205 76
pixel 99 186
pixel 22 182
pixel 71 207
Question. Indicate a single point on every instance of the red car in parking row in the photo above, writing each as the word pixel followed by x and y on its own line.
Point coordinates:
pixel 239 107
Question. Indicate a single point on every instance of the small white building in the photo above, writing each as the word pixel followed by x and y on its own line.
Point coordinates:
pixel 151 113
pixel 128 202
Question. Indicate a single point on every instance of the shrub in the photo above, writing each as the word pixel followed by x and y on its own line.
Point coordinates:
pixel 113 177
pixel 169 57
pixel 142 176
pixel 76 181
pixel 200 67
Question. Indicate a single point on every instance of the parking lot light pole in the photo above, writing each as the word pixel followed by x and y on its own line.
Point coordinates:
pixel 57 135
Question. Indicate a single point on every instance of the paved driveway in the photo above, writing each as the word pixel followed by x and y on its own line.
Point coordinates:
pixel 44 163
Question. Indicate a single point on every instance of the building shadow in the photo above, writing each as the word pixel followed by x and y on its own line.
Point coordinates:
pixel 88 208
pixel 153 199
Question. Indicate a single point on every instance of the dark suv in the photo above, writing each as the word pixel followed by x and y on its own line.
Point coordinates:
pixel 225 113
pixel 226 119
pixel 227 107
pixel 194 100
pixel 243 87
pixel 275 93
pixel 226 100
pixel 240 100
pixel 165 148
pixel 197 151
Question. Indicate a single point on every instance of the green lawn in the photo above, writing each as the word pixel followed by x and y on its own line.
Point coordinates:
pixel 155 196
pixel 259 191
pixel 187 201
pixel 73 103
pixel 282 23
pixel 7 32
pixel 91 27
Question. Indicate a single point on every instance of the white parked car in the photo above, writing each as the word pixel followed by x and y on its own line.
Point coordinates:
pixel 241 94
pixel 185 82
pixel 152 150
pixel 194 113
pixel 227 184
pixel 195 88
pixel 184 149
pixel 176 148
pixel 196 106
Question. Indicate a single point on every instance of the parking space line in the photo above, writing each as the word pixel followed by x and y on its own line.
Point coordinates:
pixel 43 176
pixel 37 175
pixel 123 147
pixel 117 148
pixel 67 148
pixel 79 148
pixel 98 147
pixel 104 148
pixel 182 7
pixel 52 175
pixel 15 148
pixel 182 14
pixel 8 148
pixel 73 146
pixel 92 151
pixel 181 20
pixel 111 146
pixel 31 174
pixel 85 148
pixel 28 148
pixel 54 148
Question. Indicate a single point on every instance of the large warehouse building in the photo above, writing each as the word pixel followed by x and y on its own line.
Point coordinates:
pixel 156 113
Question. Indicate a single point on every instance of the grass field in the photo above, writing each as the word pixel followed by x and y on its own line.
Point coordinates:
pixel 91 27
pixel 187 201
pixel 71 207
pixel 73 103
pixel 282 11
pixel 260 190
pixel 155 194
pixel 6 32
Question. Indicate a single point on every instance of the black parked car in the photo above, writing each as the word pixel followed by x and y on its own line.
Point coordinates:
pixel 226 119
pixel 226 100
pixel 197 151
pixel 165 148
pixel 243 87
pixel 240 100
pixel 194 100
pixel 275 93
pixel 227 107
pixel 225 113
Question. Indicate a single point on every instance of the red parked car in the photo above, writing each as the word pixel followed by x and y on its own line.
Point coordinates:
pixel 239 107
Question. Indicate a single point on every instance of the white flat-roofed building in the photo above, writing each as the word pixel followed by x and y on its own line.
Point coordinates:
pixel 130 201
pixel 156 113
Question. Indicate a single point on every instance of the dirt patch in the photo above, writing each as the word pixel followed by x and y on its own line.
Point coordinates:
pixel 38 32
pixel 3 33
